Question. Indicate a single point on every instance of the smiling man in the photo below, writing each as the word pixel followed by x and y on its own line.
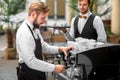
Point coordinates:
pixel 86 24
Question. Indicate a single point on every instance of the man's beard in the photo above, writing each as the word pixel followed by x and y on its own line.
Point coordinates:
pixel 35 24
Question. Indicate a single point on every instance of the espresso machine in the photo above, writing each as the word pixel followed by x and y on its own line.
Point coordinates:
pixel 99 63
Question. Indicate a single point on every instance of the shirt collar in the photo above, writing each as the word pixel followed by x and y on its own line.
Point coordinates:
pixel 87 14
pixel 31 25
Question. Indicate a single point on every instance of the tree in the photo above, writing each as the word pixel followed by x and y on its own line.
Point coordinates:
pixel 9 8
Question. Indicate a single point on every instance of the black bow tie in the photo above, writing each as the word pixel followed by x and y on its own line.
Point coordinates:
pixel 35 27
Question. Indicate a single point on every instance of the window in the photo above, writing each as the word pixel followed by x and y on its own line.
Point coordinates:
pixel 57 8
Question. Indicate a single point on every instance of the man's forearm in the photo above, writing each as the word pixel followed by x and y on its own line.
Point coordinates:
pixel 68 37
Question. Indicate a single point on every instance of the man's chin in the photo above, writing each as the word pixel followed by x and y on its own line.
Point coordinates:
pixel 83 12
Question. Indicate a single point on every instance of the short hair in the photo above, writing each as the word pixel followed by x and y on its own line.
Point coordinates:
pixel 89 1
pixel 38 7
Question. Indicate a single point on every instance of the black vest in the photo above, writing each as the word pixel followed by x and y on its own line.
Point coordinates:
pixel 88 31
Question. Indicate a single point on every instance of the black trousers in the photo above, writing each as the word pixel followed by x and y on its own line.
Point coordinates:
pixel 25 73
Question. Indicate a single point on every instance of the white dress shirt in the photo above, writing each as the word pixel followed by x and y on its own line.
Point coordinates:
pixel 97 24
pixel 25 44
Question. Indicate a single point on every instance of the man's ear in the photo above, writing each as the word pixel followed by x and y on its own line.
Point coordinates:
pixel 33 14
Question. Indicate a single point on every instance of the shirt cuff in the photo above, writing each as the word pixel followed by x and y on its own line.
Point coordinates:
pixel 51 67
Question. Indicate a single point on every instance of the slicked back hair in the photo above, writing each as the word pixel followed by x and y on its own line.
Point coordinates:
pixel 38 7
pixel 89 1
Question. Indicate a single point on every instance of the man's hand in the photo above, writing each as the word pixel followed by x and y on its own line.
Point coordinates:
pixel 59 68
pixel 65 49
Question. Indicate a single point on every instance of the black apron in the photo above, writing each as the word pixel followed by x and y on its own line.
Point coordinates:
pixel 26 73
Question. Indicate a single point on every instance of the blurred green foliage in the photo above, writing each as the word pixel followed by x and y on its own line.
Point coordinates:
pixel 93 7
pixel 9 8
